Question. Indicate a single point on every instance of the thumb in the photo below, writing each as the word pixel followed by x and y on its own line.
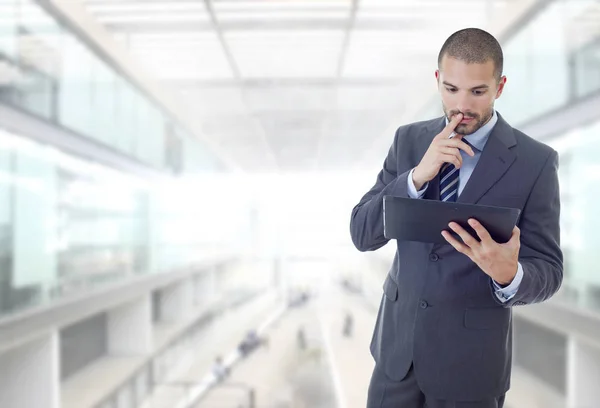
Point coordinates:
pixel 516 235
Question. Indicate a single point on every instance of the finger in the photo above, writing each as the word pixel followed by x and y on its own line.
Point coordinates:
pixel 516 234
pixel 466 148
pixel 452 124
pixel 458 156
pixel 459 144
pixel 483 234
pixel 451 158
pixel 467 238
pixel 459 246
pixel 452 152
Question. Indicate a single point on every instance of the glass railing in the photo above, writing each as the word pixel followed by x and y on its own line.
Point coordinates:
pixel 68 225
pixel 46 70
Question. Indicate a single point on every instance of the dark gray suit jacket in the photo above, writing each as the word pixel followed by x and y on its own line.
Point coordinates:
pixel 439 309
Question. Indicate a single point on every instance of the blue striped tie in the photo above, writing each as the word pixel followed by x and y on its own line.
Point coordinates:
pixel 448 182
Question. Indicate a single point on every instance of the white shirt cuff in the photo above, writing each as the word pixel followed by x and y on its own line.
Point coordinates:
pixel 412 190
pixel 507 293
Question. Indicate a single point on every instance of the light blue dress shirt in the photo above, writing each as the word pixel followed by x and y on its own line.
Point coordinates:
pixel 478 141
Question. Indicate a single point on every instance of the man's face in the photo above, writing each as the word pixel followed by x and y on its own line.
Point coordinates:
pixel 470 89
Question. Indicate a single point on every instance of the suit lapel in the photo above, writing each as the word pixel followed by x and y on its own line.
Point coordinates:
pixel 495 160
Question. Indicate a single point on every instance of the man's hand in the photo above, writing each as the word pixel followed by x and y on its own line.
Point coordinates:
pixel 441 150
pixel 499 261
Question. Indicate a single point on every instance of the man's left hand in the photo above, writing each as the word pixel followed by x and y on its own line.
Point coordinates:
pixel 499 261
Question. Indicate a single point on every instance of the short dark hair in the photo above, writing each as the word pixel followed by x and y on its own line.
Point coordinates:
pixel 474 46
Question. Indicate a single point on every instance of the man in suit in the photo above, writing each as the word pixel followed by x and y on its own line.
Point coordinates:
pixel 443 335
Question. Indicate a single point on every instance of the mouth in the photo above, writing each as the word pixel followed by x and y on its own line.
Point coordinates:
pixel 465 120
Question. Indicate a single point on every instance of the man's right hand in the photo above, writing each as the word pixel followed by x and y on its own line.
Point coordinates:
pixel 442 150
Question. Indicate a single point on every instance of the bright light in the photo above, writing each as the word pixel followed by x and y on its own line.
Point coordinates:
pixel 281 5
pixel 431 4
pixel 199 17
pixel 429 17
pixel 283 15
pixel 146 7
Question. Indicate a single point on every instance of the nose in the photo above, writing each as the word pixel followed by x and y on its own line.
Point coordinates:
pixel 463 103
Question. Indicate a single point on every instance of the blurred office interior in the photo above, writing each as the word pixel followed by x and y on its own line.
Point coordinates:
pixel 177 177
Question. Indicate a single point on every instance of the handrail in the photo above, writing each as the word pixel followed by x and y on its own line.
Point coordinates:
pixel 210 314
pixel 21 327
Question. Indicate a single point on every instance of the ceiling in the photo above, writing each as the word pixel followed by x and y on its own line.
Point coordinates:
pixel 288 85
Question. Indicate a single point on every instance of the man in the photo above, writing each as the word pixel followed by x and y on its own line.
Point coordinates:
pixel 443 336
pixel 219 370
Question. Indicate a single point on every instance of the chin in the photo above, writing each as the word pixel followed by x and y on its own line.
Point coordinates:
pixel 463 130
pixel 467 129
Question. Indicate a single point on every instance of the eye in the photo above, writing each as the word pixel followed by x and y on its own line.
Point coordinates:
pixel 451 90
pixel 478 92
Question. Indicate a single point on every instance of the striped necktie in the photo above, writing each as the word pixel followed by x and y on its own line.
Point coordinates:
pixel 448 182
pixel 449 179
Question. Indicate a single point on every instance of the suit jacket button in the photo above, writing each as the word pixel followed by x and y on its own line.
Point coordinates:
pixel 423 304
pixel 434 257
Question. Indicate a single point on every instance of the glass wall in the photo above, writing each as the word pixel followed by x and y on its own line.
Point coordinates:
pixel 536 67
pixel 47 71
pixel 551 61
pixel 586 68
pixel 579 178
pixel 101 226
pixel 68 225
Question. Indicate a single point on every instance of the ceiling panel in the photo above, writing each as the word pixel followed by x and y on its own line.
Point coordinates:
pixel 291 97
pixel 180 55
pixel 372 97
pixel 392 54
pixel 293 137
pixel 356 127
pixel 285 54
pixel 213 101
pixel 349 134
pixel 312 84
pixel 251 6
pixel 248 154
pixel 228 126
pixel 107 7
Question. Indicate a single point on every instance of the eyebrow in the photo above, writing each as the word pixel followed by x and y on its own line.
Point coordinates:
pixel 475 87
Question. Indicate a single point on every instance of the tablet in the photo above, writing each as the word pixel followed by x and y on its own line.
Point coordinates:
pixel 411 219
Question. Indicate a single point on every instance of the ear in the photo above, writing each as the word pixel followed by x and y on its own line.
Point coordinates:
pixel 500 86
pixel 437 75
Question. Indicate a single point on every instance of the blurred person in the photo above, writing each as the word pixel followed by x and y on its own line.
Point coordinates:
pixel 443 335
pixel 301 338
pixel 250 342
pixel 252 337
pixel 348 325
pixel 219 370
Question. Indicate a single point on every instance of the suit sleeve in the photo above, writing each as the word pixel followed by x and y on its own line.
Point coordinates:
pixel 366 224
pixel 540 253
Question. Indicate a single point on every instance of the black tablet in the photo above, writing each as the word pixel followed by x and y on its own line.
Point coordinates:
pixel 411 219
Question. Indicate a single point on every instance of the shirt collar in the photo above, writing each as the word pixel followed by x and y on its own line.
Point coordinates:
pixel 481 136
